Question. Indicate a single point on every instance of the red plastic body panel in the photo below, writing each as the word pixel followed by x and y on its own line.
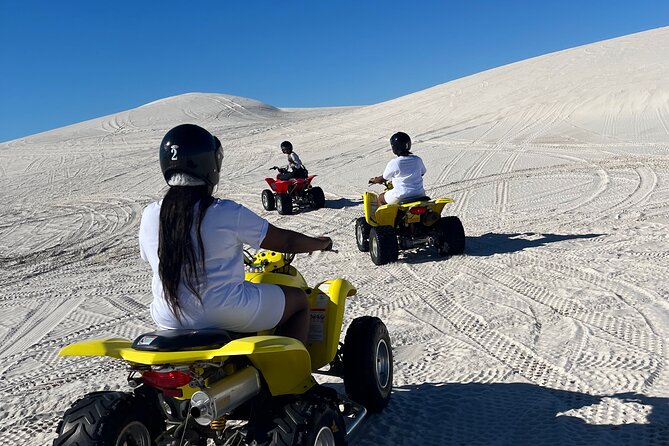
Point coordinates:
pixel 294 185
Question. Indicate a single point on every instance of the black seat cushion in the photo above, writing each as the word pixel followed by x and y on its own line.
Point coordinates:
pixel 184 339
pixel 412 199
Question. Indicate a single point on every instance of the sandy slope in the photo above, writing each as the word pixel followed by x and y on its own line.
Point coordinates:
pixel 552 329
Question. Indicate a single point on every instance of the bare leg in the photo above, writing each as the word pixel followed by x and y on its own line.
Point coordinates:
pixel 382 199
pixel 295 320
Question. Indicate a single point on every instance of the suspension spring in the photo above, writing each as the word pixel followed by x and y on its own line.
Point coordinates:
pixel 218 425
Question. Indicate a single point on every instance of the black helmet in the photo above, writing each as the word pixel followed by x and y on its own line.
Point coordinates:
pixel 401 143
pixel 190 149
pixel 286 147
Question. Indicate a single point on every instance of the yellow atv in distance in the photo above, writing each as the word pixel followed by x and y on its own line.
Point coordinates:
pixel 191 387
pixel 413 222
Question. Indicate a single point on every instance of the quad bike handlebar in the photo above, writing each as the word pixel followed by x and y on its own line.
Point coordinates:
pixel 271 260
pixel 280 169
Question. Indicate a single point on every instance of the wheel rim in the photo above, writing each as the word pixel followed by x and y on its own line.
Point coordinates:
pixel 134 434
pixel 264 200
pixel 382 364
pixel 324 437
pixel 374 247
pixel 358 235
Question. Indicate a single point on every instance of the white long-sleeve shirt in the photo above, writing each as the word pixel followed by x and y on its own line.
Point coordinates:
pixel 294 161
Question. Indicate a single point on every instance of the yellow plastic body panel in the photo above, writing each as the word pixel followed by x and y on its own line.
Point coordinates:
pixel 283 362
pixel 293 278
pixel 386 214
pixel 327 303
pixel 370 203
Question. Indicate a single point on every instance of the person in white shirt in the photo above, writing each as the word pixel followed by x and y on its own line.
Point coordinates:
pixel 295 168
pixel 406 172
pixel 194 244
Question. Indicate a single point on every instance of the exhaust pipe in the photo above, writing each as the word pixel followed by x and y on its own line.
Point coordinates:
pixel 225 395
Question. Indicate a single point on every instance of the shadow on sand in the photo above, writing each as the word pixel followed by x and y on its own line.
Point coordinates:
pixel 491 243
pixel 514 414
pixel 341 203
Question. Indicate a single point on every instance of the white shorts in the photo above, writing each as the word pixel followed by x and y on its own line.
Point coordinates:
pixel 253 307
pixel 261 308
pixel 391 196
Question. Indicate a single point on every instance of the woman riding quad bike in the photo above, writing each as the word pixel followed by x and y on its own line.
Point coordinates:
pixel 191 386
pixel 402 217
pixel 234 356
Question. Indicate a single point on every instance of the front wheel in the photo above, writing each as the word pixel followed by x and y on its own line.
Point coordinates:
pixel 284 204
pixel 268 200
pixel 110 419
pixel 383 245
pixel 368 363
pixel 362 229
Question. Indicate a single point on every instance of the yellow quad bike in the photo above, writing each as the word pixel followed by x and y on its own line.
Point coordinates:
pixel 385 229
pixel 199 387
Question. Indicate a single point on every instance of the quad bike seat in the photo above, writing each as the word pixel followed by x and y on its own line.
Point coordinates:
pixel 412 199
pixel 184 339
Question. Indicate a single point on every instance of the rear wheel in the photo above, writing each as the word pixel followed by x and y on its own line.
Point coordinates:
pixel 451 236
pixel 284 204
pixel 383 245
pixel 368 363
pixel 110 419
pixel 268 200
pixel 304 423
pixel 362 229
pixel 316 197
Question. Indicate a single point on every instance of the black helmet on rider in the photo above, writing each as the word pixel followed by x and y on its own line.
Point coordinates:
pixel 286 147
pixel 191 150
pixel 401 144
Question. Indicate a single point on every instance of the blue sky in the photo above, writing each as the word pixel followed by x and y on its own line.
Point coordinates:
pixel 68 61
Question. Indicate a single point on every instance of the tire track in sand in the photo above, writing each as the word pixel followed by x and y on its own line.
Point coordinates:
pixel 37 325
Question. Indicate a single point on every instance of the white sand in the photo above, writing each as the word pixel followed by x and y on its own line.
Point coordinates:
pixel 552 329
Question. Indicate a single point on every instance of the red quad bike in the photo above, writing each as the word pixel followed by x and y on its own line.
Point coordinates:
pixel 286 193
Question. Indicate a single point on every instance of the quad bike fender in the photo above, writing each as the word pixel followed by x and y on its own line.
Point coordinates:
pixel 327 303
pixel 376 215
pixel 370 202
pixel 97 347
pixel 284 362
pixel 281 187
pixel 271 183
pixel 438 204
pixel 386 215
